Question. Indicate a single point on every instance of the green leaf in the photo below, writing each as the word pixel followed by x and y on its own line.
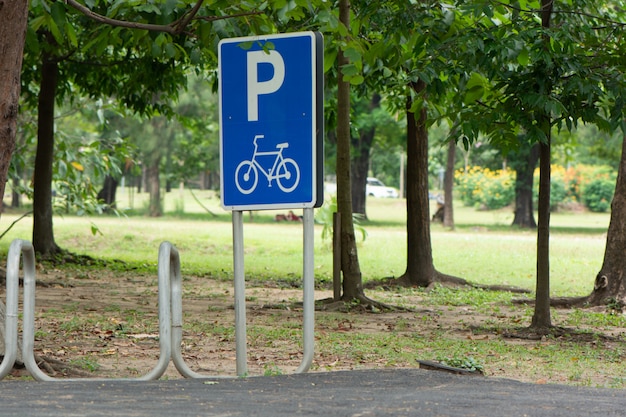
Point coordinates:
pixel 349 70
pixel 71 35
pixel 352 54
pixel 156 50
pixel 55 31
pixel 170 6
pixel 32 41
pixel 195 57
pixel 36 23
pixel 57 11
pixel 62 168
pixel 330 56
pixel 416 106
pixel 170 50
pixel 523 58
pixel 246 45
pixel 475 88
pixel 357 79
pixel 95 230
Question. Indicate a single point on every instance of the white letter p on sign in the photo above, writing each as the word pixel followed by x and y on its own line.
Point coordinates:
pixel 256 87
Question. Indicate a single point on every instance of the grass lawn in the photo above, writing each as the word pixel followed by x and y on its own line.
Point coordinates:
pixel 483 248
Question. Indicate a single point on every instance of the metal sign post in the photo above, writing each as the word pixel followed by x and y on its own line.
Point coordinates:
pixel 271 149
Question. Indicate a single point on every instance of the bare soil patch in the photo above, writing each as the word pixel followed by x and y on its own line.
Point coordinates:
pixel 106 324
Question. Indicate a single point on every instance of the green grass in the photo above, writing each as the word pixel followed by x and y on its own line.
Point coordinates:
pixel 483 248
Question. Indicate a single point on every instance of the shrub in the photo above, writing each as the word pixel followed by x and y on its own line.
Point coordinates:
pixel 597 195
pixel 484 188
pixel 568 185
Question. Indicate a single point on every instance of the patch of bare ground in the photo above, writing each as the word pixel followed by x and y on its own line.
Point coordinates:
pixel 105 324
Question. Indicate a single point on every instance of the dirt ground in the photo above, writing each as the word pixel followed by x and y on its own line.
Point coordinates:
pixel 105 324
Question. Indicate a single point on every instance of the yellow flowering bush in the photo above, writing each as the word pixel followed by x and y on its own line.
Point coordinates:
pixel 580 184
pixel 486 189
pixel 588 184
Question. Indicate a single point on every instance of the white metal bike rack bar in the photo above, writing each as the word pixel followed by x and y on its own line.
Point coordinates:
pixel 17 248
pixel 28 340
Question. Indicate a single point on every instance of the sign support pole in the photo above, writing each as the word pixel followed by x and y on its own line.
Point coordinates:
pixel 240 295
pixel 308 287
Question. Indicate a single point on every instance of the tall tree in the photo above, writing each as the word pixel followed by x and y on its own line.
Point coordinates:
pixel 524 161
pixel 546 69
pixel 13 21
pixel 610 283
pixel 420 269
pixel 361 148
pixel 541 320
pixel 408 48
pixel 350 268
pixel 43 231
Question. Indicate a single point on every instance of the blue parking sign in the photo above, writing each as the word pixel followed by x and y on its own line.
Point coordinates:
pixel 270 91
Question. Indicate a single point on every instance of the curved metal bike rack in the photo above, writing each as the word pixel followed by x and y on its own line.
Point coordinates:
pixel 12 285
pixel 170 315
pixel 28 337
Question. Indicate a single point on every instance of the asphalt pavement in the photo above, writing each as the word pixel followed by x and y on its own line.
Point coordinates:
pixel 398 392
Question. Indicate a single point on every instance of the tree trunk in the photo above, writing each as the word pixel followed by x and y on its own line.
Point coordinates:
pixel 448 185
pixel 541 320
pixel 610 282
pixel 524 165
pixel 16 197
pixel 107 194
pixel 13 22
pixel 154 188
pixel 360 165
pixel 420 269
pixel 361 148
pixel 352 280
pixel 43 235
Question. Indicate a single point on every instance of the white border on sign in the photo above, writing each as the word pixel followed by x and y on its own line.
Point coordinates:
pixel 314 127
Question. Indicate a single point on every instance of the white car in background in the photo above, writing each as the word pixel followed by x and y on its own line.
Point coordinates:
pixel 375 188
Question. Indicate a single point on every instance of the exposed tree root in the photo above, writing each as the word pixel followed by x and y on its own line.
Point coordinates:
pixel 445 280
pixel 564 333
pixel 57 368
pixel 52 367
pixel 3 280
pixel 361 303
pixel 568 302
pixel 612 304
pixel 532 333
pixel 66 257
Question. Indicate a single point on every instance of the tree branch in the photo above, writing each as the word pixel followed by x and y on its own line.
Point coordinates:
pixel 214 18
pixel 577 13
pixel 184 21
pixel 14 223
pixel 171 29
pixel 175 28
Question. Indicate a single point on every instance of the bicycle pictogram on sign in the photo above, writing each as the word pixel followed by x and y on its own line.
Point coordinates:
pixel 285 171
